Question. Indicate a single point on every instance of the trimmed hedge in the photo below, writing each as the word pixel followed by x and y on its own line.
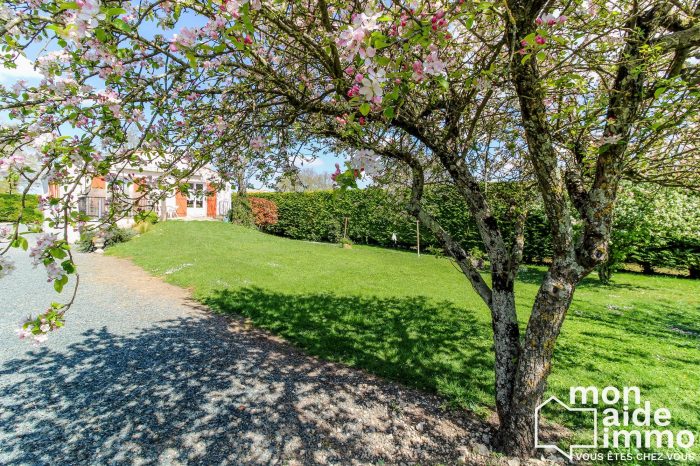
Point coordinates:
pixel 373 215
pixel 653 227
pixel 10 205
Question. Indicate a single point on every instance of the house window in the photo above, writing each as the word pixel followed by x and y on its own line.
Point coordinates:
pixel 196 195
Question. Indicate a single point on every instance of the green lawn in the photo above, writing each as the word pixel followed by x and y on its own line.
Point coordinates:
pixel 416 320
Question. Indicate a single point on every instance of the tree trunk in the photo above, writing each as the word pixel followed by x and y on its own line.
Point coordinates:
pixel 605 272
pixel 535 363
pixel 241 182
pixel 506 338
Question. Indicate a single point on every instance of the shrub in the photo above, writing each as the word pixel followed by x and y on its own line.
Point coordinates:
pixel 112 235
pixel 11 204
pixel 241 213
pixel 264 211
pixel 146 217
pixel 142 227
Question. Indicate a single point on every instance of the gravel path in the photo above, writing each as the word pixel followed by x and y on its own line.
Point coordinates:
pixel 143 375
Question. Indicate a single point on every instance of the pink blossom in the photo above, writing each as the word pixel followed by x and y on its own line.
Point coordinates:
pixel 23 333
pixel 371 88
pixel 336 173
pixel 352 39
pixel 433 65
pixel 540 40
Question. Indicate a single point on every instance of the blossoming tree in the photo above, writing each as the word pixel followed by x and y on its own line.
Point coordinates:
pixel 567 97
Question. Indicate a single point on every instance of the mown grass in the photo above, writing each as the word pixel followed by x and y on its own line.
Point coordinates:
pixel 416 320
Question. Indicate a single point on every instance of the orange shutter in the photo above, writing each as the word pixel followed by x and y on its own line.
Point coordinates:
pixel 181 202
pixel 211 202
pixel 98 182
pixel 139 184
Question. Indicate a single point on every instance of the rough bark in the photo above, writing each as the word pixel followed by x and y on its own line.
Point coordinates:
pixel 548 312
pixel 241 182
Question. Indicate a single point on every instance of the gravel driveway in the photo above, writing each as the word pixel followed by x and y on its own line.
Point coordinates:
pixel 143 375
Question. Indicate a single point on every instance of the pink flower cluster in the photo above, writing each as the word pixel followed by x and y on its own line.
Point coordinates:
pixel 13 162
pixel 353 38
pixel 438 20
pixel 82 22
pixel 550 20
pixel 39 252
pixel 185 39
pixel 6 266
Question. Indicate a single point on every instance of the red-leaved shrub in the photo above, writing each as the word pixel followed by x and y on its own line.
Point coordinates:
pixel 264 211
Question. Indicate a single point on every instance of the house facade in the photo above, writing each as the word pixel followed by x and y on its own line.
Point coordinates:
pixel 201 201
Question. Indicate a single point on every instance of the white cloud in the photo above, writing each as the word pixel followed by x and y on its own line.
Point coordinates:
pixel 24 70
pixel 313 163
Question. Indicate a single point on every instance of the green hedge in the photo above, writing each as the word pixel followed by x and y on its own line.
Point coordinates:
pixel 10 205
pixel 373 215
pixel 654 227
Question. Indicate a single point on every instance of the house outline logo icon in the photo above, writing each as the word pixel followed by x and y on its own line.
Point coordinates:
pixel 570 454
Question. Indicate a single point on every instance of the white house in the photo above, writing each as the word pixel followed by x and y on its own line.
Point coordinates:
pixel 202 201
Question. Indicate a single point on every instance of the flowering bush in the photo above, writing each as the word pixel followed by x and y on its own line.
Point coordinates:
pixel 264 211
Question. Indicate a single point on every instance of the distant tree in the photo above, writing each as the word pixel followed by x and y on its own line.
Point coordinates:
pixel 304 179
pixel 654 227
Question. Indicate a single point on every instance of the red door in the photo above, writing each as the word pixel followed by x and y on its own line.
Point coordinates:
pixel 181 202
pixel 211 202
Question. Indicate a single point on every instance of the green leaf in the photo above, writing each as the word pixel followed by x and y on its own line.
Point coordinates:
pixel 389 113
pixel 60 283
pixel 121 24
pixel 68 266
pixel 382 61
pixel 193 61
pixel 659 92
pixel 114 11
pixel 365 108
pixel 68 6
pixel 58 253
pixel 20 242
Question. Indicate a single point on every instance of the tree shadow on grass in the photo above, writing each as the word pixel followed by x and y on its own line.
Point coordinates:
pixel 206 390
pixel 534 276
pixel 428 345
